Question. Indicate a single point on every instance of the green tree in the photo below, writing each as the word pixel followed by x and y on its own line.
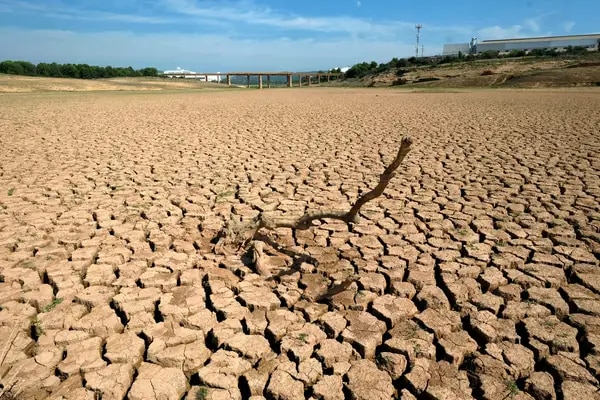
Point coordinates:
pixel 43 69
pixel 109 72
pixel 149 71
pixel 402 63
pixel 85 72
pixel 69 70
pixel 28 68
pixel 393 63
pixel 11 67
pixel 54 70
pixel 98 72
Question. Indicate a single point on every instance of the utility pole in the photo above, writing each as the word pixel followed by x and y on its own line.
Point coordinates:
pixel 422 50
pixel 418 26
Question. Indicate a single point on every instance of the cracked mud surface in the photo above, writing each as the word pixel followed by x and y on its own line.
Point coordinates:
pixel 477 272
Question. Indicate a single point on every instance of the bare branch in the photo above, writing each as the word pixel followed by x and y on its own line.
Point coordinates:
pixel 7 347
pixel 258 258
pixel 9 344
pixel 245 233
pixel 384 179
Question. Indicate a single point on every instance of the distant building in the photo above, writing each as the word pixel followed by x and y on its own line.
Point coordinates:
pixel 179 73
pixel 452 49
pixel 558 43
pixel 342 69
pixel 188 74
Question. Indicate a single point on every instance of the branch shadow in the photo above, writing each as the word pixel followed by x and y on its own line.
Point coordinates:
pixel 298 258
pixel 335 289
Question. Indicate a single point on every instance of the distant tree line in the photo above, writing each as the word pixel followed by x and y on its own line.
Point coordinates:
pixel 81 71
pixel 368 68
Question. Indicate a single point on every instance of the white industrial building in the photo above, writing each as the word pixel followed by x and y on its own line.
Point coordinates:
pixel 342 69
pixel 188 74
pixel 180 73
pixel 559 43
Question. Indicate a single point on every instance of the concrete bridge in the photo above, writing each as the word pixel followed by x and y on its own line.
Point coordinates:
pixel 325 76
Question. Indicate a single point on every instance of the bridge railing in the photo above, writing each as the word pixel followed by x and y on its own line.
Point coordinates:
pixel 289 81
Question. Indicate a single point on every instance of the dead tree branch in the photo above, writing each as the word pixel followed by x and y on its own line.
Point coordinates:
pixel 242 234
pixel 5 392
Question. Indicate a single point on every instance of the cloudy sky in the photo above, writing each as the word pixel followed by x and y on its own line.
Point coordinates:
pixel 275 35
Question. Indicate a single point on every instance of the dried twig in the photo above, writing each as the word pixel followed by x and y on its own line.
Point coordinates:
pixel 243 234
pixel 259 259
pixel 7 390
pixel 9 344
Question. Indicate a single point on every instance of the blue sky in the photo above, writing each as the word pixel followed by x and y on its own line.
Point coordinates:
pixel 234 35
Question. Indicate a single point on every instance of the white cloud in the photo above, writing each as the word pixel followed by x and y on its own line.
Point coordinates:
pixel 528 27
pixel 203 53
pixel 60 11
pixel 235 15
pixel 252 14
pixel 498 32
pixel 236 43
pixel 532 24
pixel 568 26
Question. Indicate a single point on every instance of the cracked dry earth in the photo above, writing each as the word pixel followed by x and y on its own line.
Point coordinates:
pixel 476 273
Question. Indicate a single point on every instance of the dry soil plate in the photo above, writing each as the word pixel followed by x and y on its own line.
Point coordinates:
pixel 477 271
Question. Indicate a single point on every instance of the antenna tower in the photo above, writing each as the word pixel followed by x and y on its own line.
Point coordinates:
pixel 418 26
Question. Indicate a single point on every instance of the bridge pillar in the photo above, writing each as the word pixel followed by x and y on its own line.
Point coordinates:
pixel 269 81
pixel 260 81
pixel 328 76
pixel 289 80
pixel 309 80
pixel 299 80
pixel 228 80
pixel 319 79
pixel 248 79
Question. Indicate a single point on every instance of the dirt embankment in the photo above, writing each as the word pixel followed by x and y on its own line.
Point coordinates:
pixel 513 73
pixel 29 84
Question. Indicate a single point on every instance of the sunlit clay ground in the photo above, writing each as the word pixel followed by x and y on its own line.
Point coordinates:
pixel 477 272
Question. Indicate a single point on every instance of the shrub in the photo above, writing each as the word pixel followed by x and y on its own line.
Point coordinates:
pixel 516 53
pixel 486 55
pixel 361 69
pixel 537 52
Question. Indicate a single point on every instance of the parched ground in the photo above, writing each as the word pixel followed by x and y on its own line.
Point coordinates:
pixel 476 273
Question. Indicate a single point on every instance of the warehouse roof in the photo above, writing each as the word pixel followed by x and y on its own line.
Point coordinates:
pixel 543 38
